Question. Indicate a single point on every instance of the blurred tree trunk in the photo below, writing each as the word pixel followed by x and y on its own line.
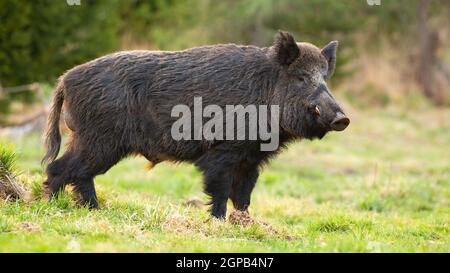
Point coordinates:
pixel 428 41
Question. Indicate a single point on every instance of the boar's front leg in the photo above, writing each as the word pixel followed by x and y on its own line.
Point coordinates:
pixel 243 183
pixel 218 167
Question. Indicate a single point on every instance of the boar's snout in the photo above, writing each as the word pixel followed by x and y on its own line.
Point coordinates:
pixel 340 122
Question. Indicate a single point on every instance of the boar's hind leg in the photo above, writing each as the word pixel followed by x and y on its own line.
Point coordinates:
pixel 85 190
pixel 243 184
pixel 78 166
pixel 90 164
pixel 57 175
pixel 71 169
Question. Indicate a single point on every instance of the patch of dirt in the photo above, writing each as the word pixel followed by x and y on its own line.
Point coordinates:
pixel 243 218
pixel 29 226
pixel 179 224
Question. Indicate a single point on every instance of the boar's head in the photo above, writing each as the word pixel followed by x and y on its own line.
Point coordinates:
pixel 308 108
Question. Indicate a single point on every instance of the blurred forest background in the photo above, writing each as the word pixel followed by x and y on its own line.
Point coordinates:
pixel 381 185
pixel 395 52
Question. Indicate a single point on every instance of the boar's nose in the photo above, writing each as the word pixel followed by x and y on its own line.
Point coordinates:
pixel 340 122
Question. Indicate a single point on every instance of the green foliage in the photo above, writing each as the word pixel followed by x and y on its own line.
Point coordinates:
pixel 5 225
pixel 7 160
pixel 41 39
pixel 63 36
pixel 397 19
pixel 15 42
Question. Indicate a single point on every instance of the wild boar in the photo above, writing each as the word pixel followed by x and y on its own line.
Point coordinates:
pixel 121 104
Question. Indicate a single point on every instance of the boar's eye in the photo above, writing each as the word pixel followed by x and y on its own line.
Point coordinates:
pixel 302 79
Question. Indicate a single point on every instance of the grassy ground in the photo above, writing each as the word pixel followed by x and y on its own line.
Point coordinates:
pixel 381 185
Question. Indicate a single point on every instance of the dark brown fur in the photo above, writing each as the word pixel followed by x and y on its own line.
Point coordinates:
pixel 120 104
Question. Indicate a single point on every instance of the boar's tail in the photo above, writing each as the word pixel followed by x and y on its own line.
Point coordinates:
pixel 52 135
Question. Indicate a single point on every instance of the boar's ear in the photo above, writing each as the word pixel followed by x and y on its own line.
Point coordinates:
pixel 286 48
pixel 329 51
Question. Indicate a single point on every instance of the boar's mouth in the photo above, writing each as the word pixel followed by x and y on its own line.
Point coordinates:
pixel 318 133
pixel 321 134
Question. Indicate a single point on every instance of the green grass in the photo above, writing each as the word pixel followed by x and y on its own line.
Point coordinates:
pixel 383 185
pixel 7 159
